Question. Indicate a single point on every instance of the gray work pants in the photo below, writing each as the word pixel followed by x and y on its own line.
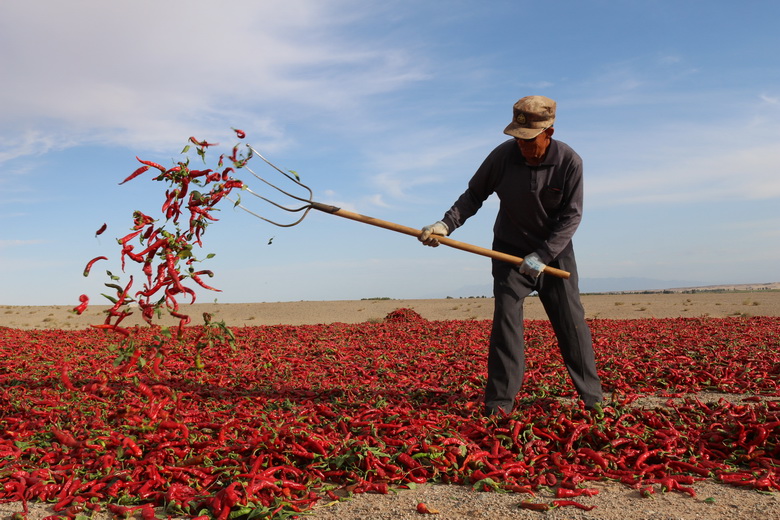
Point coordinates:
pixel 561 301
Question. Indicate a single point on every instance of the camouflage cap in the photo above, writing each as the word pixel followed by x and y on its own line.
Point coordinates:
pixel 531 115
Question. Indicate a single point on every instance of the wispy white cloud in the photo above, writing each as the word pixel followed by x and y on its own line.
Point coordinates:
pixel 335 199
pixel 16 190
pixel 746 174
pixel 146 75
pixel 725 156
pixel 411 166
pixel 399 186
pixel 378 201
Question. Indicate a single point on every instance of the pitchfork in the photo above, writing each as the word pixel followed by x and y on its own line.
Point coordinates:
pixel 309 204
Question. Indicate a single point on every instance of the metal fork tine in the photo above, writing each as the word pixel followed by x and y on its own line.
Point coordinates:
pixel 280 206
pixel 272 165
pixel 307 209
pixel 307 202
pixel 280 190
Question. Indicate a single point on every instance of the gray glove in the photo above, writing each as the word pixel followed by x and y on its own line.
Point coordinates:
pixel 532 265
pixel 428 235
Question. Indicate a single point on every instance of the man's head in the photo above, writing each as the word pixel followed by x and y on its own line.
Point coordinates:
pixel 532 127
pixel 530 116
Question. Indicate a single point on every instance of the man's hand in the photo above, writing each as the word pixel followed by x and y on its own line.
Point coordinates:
pixel 428 235
pixel 532 266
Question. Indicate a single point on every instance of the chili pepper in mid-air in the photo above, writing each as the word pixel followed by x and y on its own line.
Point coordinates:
pixel 140 220
pixel 226 173
pixel 239 133
pixel 111 327
pixel 199 281
pixel 91 263
pixel 135 174
pixel 101 230
pixel 234 183
pixel 202 144
pixel 152 164
pixel 81 307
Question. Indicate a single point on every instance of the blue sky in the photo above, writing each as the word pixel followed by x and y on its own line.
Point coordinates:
pixel 387 109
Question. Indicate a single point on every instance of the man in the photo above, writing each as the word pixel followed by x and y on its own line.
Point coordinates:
pixel 539 183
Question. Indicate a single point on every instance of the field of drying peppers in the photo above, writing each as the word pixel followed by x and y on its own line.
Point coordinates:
pixel 293 417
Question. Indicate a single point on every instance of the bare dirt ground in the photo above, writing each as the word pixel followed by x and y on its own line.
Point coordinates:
pixel 597 306
pixel 614 501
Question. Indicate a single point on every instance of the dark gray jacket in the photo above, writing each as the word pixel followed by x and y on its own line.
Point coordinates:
pixel 541 206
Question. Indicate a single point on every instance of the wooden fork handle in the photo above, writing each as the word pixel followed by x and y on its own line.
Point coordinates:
pixel 442 239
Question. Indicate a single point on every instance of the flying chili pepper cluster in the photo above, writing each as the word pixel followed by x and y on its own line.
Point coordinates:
pixel 167 257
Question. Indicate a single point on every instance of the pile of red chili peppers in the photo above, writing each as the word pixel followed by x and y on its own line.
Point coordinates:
pixel 295 416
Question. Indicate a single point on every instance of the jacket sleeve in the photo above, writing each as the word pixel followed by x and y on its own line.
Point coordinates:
pixel 568 219
pixel 480 187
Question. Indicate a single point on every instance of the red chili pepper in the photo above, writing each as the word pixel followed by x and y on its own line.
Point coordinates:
pixel 566 503
pixel 231 184
pixel 173 425
pixel 408 461
pixel 101 230
pixel 63 503
pixel 135 174
pixel 640 461
pixel 91 263
pixel 152 164
pixel 685 466
pixel 131 446
pixel 578 430
pixel 423 509
pixel 111 327
pixel 65 379
pixel 226 173
pixel 572 493
pixel 202 144
pixel 534 506
pixel 153 247
pixel 148 513
pixel 595 457
pixel 66 439
pixel 120 511
pixel 200 282
pixel 141 220
pixel 316 446
pixel 517 488
pixel 81 307
pixel 672 485
pixel 239 133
